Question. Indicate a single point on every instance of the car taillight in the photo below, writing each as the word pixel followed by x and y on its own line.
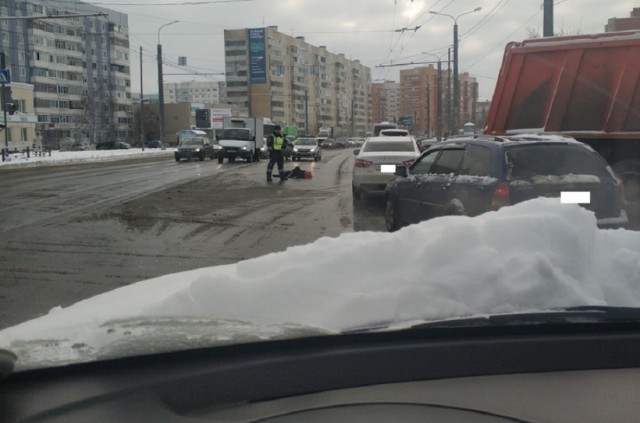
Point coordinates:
pixel 407 163
pixel 501 196
pixel 362 163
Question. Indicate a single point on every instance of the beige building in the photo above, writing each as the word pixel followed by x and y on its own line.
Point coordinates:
pixel 270 74
pixel 21 124
pixel 194 91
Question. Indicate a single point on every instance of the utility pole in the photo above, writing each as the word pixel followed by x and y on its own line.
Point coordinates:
pixel 548 19
pixel 428 110
pixel 4 105
pixel 141 105
pixel 449 114
pixel 161 88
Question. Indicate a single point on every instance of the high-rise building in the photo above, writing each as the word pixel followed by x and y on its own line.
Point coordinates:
pixel 425 100
pixel 385 101
pixel 192 91
pixel 270 74
pixel 79 67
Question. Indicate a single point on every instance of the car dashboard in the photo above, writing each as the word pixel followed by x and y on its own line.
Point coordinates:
pixel 542 373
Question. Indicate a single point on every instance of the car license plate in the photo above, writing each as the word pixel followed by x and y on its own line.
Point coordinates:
pixel 387 168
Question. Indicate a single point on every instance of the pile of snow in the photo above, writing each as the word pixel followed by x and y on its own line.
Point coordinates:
pixel 71 157
pixel 537 255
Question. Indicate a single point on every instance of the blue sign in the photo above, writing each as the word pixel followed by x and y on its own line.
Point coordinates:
pixel 406 121
pixel 5 76
pixel 257 56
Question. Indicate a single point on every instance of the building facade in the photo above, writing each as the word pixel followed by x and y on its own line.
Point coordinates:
pixel 79 67
pixel 624 24
pixel 192 91
pixel 270 74
pixel 385 101
pixel 426 97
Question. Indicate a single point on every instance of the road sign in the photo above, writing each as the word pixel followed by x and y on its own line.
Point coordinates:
pixel 406 121
pixel 5 76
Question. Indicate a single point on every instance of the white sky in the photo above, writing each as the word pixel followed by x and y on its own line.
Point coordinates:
pixel 361 29
pixel 536 255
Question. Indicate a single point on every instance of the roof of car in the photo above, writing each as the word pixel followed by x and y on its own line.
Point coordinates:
pixel 516 139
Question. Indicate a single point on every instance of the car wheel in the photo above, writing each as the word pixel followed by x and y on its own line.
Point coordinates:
pixel 202 157
pixel 220 159
pixel 177 159
pixel 249 158
pixel 390 218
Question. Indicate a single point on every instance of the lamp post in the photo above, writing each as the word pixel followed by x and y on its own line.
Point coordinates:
pixel 456 83
pixel 160 87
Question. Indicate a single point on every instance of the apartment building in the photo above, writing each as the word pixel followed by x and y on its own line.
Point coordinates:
pixel 78 66
pixel 385 101
pixel 192 91
pixel 271 74
pixel 426 99
pixel 624 24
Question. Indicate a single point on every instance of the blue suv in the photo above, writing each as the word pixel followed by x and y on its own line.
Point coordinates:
pixel 470 175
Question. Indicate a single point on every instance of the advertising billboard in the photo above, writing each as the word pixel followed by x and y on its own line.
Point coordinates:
pixel 257 56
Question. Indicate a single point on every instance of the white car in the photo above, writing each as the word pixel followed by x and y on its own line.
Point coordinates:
pixel 376 161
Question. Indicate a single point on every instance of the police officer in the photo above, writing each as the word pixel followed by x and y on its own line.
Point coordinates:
pixel 276 143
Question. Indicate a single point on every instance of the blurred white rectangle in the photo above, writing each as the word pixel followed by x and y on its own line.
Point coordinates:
pixel 578 197
pixel 388 168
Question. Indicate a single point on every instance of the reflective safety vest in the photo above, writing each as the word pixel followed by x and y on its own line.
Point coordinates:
pixel 278 142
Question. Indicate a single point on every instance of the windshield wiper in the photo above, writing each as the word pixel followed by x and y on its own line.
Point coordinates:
pixel 574 315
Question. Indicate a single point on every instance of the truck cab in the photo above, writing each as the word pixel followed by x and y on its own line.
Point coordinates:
pixel 240 138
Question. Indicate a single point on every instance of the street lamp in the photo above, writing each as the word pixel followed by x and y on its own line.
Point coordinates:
pixel 456 83
pixel 160 87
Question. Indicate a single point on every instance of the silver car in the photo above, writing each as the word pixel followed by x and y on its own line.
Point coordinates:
pixel 375 163
pixel 307 148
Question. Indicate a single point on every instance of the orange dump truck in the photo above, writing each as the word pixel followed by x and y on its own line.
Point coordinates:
pixel 585 86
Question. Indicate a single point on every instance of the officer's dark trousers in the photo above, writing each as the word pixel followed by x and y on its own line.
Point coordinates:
pixel 275 157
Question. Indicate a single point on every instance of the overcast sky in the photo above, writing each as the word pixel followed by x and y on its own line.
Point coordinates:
pixel 368 30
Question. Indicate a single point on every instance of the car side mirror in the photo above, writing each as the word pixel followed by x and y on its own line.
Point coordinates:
pixel 401 171
pixel 356 151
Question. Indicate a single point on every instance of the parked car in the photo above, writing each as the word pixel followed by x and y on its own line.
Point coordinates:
pixel 194 148
pixel 376 162
pixel 475 174
pixel 154 144
pixel 112 145
pixel 307 147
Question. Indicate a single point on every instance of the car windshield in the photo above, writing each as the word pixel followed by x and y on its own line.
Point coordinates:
pixel 377 146
pixel 149 203
pixel 190 142
pixel 306 141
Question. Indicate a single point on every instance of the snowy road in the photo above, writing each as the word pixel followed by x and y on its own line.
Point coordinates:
pixel 71 232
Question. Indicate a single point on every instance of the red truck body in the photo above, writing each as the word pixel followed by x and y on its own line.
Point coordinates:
pixel 585 86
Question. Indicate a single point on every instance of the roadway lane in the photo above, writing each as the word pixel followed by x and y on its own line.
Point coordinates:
pixel 68 233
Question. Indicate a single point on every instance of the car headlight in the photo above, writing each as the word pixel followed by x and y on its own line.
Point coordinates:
pixel 197 150
pixel 313 150
pixel 295 149
pixel 177 151
pixel 244 148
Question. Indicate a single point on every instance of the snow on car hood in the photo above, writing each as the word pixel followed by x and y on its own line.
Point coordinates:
pixel 536 255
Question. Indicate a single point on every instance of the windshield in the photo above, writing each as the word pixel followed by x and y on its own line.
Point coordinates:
pixel 376 146
pixel 235 134
pixel 307 141
pixel 523 195
pixel 192 142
